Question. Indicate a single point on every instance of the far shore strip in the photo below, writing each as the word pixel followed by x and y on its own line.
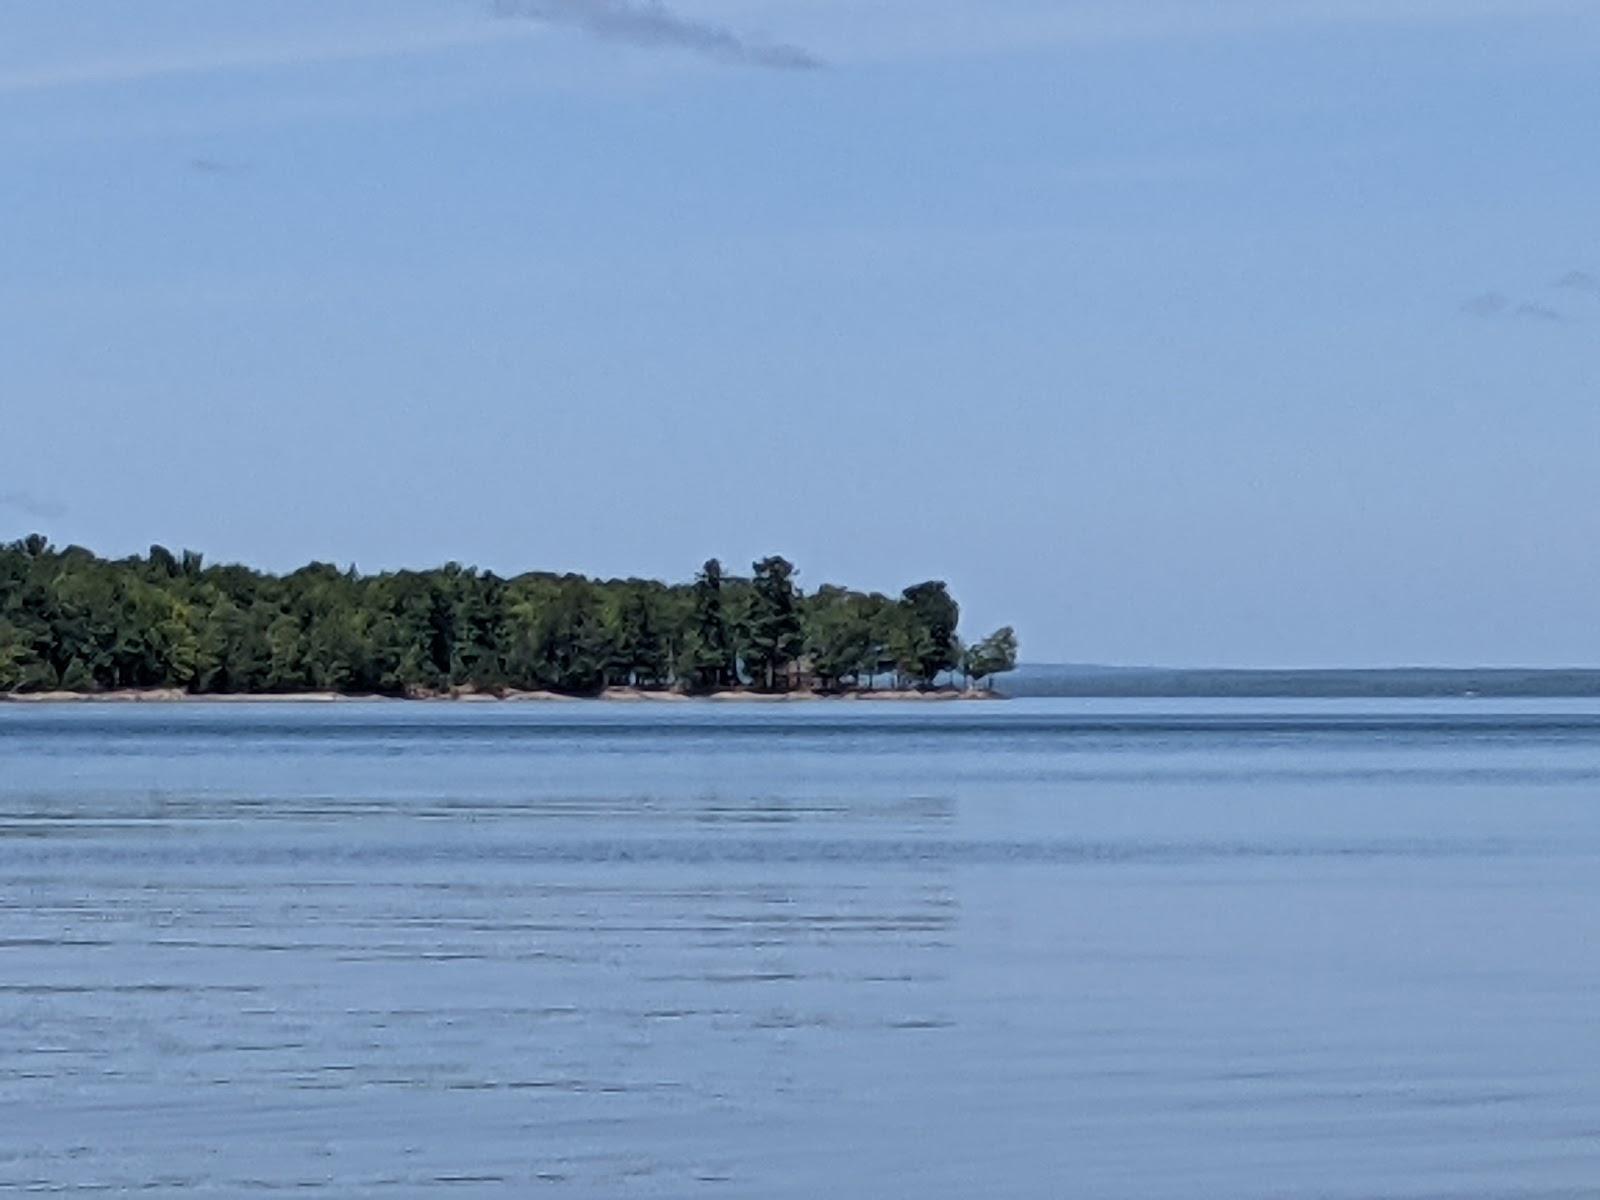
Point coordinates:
pixel 614 695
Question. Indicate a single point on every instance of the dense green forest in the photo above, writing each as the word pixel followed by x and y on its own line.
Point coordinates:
pixel 72 621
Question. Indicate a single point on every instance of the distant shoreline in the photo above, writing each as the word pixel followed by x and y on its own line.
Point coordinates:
pixel 1324 683
pixel 615 695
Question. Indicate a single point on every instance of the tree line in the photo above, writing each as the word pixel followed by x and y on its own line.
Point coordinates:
pixel 72 621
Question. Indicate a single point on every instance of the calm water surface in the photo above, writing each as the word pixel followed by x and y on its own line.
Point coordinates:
pixel 1047 948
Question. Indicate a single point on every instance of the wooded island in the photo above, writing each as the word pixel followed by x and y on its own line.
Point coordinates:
pixel 71 621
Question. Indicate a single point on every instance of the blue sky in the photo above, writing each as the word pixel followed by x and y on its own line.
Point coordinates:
pixel 1257 332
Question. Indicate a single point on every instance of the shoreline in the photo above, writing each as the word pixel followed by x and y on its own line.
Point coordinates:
pixel 615 695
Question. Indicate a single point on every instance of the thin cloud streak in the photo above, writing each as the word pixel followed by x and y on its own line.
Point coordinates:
pixel 1489 304
pixel 651 23
pixel 894 29
pixel 204 60
pixel 1534 311
pixel 30 505
pixel 1579 281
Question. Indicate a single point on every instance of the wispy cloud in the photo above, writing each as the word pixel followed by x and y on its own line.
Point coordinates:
pixel 310 33
pixel 1534 311
pixel 29 505
pixel 1488 304
pixel 1495 305
pixel 1579 281
pixel 652 23
pixel 214 166
pixel 450 26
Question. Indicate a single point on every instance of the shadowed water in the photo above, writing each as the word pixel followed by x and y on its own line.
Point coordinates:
pixel 1119 949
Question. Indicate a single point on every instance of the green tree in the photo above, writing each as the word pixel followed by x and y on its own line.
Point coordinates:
pixel 641 640
pixel 71 619
pixel 991 656
pixel 708 655
pixel 14 655
pixel 907 647
pixel 927 634
pixel 477 612
pixel 560 640
pixel 774 635
pixel 841 636
pixel 285 655
pixel 77 677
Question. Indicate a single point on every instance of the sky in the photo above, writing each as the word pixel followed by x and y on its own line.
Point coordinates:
pixel 1186 332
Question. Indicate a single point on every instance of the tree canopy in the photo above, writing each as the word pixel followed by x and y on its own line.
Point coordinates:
pixel 72 621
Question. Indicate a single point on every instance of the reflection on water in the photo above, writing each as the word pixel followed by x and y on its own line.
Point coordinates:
pixel 1035 949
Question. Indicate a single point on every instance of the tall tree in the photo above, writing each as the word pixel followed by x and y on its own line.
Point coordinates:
pixel 928 638
pixel 774 635
pixel 476 614
pixel 643 653
pixel 709 656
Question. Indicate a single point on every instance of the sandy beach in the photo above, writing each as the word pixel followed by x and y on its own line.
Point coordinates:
pixel 615 695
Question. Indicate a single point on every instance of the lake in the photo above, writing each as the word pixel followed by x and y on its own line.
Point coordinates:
pixel 1141 949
